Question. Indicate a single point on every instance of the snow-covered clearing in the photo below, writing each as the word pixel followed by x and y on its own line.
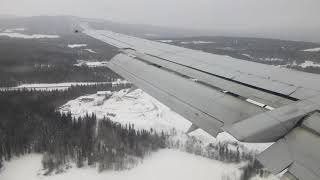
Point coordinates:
pixel 197 42
pixel 166 41
pixel 271 59
pixel 137 108
pixel 76 45
pixel 90 50
pixel 25 36
pixel 59 86
pixel 312 50
pixel 145 112
pixel 309 64
pixel 248 55
pixel 24 167
pixel 91 63
pixel 164 164
pixel 13 30
pixel 67 84
pixel 18 29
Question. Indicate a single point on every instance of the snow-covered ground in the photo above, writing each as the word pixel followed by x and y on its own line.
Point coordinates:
pixel 166 41
pixel 59 86
pixel 67 84
pixel 19 29
pixel 25 36
pixel 91 63
pixel 162 165
pixel 137 108
pixel 25 167
pixel 14 29
pixel 76 45
pixel 90 50
pixel 271 59
pixel 145 112
pixel 305 64
pixel 248 55
pixel 312 50
pixel 309 64
pixel 197 42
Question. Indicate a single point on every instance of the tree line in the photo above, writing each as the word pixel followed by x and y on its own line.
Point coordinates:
pixel 54 74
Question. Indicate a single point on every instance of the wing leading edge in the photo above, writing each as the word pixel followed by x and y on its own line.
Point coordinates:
pixel 216 93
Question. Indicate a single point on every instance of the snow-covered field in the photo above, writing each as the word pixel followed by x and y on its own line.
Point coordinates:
pixel 305 64
pixel 90 50
pixel 67 84
pixel 17 33
pixel 145 112
pixel 166 41
pixel 91 63
pixel 197 42
pixel 25 36
pixel 248 55
pixel 59 86
pixel 137 108
pixel 15 29
pixel 76 45
pixel 309 64
pixel 72 46
pixel 162 165
pixel 271 59
pixel 312 50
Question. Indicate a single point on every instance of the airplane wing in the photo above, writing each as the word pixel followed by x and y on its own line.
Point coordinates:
pixel 251 101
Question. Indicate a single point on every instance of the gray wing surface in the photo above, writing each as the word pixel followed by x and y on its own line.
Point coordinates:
pixel 251 101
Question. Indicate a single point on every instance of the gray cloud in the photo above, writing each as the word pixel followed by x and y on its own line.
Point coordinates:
pixel 281 18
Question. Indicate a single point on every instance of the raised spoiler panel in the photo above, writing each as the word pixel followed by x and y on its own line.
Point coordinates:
pixel 216 81
pixel 207 108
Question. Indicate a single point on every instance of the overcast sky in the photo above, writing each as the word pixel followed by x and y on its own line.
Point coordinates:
pixel 299 17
